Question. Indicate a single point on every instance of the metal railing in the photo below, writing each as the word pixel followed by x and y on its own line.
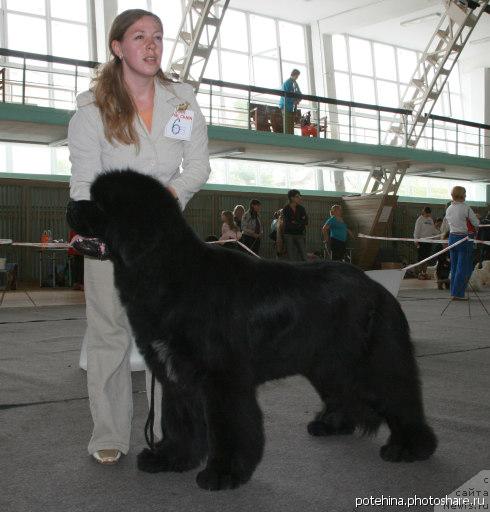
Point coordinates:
pixel 44 80
pixel 47 80
pixel 250 107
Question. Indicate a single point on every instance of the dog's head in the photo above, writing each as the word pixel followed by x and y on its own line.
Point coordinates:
pixel 134 210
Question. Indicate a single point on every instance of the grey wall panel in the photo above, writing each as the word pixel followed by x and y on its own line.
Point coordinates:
pixel 28 207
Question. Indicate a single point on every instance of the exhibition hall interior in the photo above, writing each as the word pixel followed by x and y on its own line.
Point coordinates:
pixel 244 255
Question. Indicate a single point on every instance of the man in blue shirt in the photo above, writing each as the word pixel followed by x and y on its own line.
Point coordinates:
pixel 288 105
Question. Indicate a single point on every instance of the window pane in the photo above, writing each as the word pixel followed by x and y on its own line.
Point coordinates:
pixel 123 5
pixel 342 86
pixel 363 89
pixel 339 53
pixel 212 68
pixel 31 6
pixel 387 94
pixel 19 26
pixel 235 67
pixel 407 62
pixel 75 11
pixel 272 176
pixel 70 40
pixel 233 31
pixel 263 35
pixel 303 178
pixel 266 73
pixel 384 59
pixel 31 159
pixel 3 162
pixel 170 12
pixel 360 56
pixel 292 41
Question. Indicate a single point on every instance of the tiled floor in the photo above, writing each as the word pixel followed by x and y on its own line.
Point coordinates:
pixel 38 298
pixel 27 298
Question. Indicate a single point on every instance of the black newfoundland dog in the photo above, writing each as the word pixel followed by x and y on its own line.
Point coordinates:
pixel 214 324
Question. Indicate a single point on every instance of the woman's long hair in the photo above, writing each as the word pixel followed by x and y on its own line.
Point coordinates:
pixel 112 97
pixel 252 211
pixel 230 221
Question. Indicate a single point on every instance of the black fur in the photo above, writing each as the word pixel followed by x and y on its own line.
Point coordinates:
pixel 214 324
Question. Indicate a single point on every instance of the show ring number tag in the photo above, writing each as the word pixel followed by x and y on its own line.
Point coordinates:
pixel 180 125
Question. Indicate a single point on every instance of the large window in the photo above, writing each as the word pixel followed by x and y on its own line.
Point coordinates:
pixel 380 73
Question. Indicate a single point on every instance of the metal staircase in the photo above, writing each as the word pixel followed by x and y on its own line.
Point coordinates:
pixel 433 69
pixel 197 34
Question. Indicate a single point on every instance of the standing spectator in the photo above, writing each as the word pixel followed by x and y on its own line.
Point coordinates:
pixel 484 235
pixel 457 215
pixel 289 105
pixel 424 228
pixel 277 232
pixel 238 212
pixel 252 227
pixel 295 222
pixel 335 233
pixel 229 229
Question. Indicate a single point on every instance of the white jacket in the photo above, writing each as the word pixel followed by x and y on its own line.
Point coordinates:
pixel 158 155
pixel 424 227
pixel 456 216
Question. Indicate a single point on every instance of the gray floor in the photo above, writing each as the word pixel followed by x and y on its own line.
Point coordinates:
pixel 45 426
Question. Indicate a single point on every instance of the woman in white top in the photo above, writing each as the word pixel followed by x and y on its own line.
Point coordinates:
pixel 229 230
pixel 134 117
pixel 458 216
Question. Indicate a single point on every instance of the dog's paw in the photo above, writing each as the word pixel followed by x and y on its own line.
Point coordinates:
pixel 392 452
pixel 320 428
pixel 211 479
pixel 151 461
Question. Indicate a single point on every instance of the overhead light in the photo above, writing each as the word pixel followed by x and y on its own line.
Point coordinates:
pixel 321 163
pixel 227 153
pixel 425 172
pixel 421 19
pixel 480 41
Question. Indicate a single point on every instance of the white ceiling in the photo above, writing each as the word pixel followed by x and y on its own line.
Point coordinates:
pixel 373 19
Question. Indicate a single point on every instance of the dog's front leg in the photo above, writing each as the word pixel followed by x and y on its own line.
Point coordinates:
pixel 235 434
pixel 184 443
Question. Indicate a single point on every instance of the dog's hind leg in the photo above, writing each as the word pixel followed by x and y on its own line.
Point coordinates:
pixel 184 443
pixel 395 384
pixel 333 419
pixel 235 434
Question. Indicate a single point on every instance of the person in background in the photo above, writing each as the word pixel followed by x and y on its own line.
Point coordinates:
pixel 289 105
pixel 484 235
pixel 295 222
pixel 277 233
pixel 458 214
pixel 238 212
pixel 252 227
pixel 229 229
pixel 424 228
pixel 125 120
pixel 335 233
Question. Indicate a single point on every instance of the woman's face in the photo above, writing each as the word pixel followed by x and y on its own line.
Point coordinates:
pixel 223 218
pixel 141 48
pixel 256 207
pixel 239 213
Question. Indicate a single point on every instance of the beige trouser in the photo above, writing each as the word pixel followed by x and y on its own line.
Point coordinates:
pixel 109 340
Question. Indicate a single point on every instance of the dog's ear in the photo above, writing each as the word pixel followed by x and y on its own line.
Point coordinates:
pixel 86 218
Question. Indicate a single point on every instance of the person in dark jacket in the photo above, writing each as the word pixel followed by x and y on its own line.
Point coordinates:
pixel 295 222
